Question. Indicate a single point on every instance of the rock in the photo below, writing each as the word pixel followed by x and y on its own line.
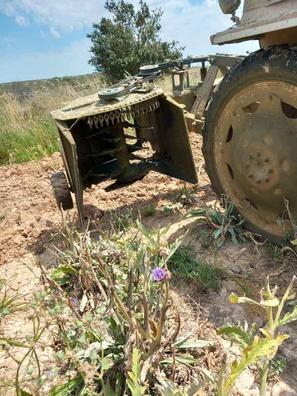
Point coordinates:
pixel 26 217
pixel 235 268
pixel 48 260
pixel 230 286
pixel 246 385
pixel 27 229
pixel 3 215
pixel 282 389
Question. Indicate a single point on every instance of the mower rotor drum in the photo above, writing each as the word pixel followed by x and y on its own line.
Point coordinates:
pixel 250 141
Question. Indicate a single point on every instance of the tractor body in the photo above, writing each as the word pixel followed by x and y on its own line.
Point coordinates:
pixel 271 22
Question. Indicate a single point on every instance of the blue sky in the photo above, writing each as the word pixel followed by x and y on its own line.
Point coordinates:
pixel 47 38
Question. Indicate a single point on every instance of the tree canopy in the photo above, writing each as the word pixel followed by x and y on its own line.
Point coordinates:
pixel 129 39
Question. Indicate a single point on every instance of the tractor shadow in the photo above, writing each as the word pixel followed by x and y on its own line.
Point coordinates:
pixel 161 211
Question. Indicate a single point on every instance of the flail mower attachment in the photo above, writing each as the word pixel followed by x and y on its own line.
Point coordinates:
pixel 121 136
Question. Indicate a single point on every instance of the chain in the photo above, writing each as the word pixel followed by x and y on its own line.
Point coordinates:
pixel 120 115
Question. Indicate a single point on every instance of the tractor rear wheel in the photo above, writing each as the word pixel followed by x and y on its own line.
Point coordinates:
pixel 250 141
pixel 61 191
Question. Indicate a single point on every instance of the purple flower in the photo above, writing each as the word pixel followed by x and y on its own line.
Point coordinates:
pixel 160 275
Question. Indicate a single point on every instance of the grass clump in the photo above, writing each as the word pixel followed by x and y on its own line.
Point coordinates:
pixel 10 301
pixel 184 265
pixel 186 196
pixel 149 210
pixel 27 132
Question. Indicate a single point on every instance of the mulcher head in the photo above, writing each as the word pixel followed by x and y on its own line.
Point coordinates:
pixel 123 137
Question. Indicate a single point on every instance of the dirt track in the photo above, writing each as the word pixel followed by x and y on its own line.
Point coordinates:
pixel 28 217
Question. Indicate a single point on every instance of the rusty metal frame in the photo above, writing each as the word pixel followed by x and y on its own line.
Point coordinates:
pixel 217 62
pixel 70 160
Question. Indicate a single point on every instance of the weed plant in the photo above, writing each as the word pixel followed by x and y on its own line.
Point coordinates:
pixel 224 222
pixel 108 309
pixel 259 346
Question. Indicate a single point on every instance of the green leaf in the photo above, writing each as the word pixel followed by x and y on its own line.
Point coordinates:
pixel 271 302
pixel 233 236
pixel 60 355
pixel 62 274
pixel 168 388
pixel 234 299
pixel 67 389
pixel 182 340
pixel 183 359
pixel 237 334
pixel 133 382
pixel 173 249
pixel 217 233
pixel 289 317
pixel 201 213
pixel 259 349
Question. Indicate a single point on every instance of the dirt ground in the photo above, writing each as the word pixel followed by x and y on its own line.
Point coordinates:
pixel 29 219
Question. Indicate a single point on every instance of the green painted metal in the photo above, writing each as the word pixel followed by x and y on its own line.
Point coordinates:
pixel 122 139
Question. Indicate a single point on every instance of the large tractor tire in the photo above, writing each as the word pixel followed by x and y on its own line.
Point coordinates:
pixel 250 141
pixel 61 191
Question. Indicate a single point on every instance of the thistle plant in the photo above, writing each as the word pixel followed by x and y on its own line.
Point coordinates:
pixel 258 348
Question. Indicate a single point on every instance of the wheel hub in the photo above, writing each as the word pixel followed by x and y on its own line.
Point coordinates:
pixel 256 154
pixel 260 167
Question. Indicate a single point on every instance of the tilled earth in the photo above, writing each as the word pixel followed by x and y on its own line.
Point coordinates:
pixel 29 219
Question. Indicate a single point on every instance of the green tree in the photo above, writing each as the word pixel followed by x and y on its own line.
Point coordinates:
pixel 129 39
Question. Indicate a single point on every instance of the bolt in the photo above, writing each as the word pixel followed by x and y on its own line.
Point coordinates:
pixel 270 171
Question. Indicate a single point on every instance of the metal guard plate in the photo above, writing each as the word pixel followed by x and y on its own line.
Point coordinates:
pixel 91 105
